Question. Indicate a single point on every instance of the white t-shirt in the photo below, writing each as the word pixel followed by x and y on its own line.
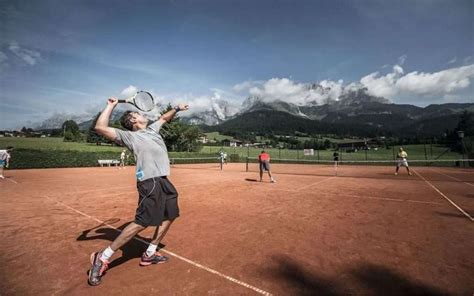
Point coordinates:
pixel 4 155
pixel 149 150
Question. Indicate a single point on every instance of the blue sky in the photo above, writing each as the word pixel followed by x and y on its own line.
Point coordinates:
pixel 68 56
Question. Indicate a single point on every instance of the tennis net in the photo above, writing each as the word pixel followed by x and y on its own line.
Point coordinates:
pixel 197 163
pixel 359 168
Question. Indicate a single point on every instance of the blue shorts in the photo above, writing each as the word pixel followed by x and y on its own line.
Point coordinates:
pixel 2 163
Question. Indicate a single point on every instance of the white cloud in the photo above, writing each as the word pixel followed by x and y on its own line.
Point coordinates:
pixel 286 90
pixel 246 85
pixel 398 69
pixel 28 56
pixel 279 89
pixel 382 86
pixel 216 102
pixel 394 86
pixel 418 83
pixel 446 81
pixel 452 61
pixel 129 91
pixel 402 59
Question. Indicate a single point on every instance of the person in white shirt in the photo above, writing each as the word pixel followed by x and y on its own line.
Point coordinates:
pixel 122 158
pixel 402 161
pixel 4 160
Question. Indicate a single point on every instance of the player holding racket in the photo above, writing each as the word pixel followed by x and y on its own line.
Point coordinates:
pixel 402 161
pixel 158 198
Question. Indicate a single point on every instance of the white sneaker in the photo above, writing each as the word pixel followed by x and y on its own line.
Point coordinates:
pixel 2 177
pixel 273 181
pixel 396 174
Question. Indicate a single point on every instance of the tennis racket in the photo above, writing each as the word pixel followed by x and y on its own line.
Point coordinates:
pixel 143 100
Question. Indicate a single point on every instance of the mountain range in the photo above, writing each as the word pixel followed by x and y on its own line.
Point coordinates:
pixel 353 112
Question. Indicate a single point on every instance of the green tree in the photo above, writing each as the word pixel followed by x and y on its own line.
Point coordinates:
pixel 92 135
pixel 69 136
pixel 71 131
pixel 466 124
pixel 178 135
pixel 326 144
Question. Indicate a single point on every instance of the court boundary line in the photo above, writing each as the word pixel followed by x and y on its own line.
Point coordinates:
pixel 444 196
pixel 315 183
pixel 7 178
pixel 195 264
pixel 391 199
pixel 358 196
pixel 368 197
pixel 454 178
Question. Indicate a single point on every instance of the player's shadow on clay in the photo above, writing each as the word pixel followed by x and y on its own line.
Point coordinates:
pixel 374 279
pixel 132 249
pixel 251 180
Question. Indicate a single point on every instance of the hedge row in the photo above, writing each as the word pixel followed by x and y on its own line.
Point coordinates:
pixel 31 158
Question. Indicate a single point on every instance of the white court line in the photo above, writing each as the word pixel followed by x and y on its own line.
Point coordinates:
pixel 315 183
pixel 208 269
pixel 393 199
pixel 305 187
pixel 445 197
pixel 454 178
pixel 368 197
pixel 11 180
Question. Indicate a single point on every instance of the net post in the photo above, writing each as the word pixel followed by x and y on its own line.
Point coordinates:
pixel 431 148
pixel 247 164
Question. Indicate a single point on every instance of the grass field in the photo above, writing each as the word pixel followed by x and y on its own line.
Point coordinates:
pixel 54 144
pixel 53 152
pixel 217 136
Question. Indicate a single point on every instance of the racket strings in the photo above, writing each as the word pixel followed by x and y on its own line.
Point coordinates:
pixel 144 101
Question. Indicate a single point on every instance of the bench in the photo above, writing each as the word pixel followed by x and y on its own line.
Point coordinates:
pixel 108 162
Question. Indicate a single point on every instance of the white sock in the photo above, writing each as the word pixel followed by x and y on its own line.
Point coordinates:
pixel 151 250
pixel 106 254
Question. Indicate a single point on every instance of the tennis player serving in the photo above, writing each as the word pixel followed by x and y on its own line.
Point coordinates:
pixel 158 198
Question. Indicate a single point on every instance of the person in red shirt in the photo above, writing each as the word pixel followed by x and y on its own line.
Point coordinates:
pixel 264 161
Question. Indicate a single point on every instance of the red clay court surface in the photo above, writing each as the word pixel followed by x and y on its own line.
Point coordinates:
pixel 364 232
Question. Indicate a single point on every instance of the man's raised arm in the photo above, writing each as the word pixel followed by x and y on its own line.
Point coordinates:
pixel 168 116
pixel 102 125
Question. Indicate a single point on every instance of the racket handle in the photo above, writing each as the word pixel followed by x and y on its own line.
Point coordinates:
pixel 121 101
